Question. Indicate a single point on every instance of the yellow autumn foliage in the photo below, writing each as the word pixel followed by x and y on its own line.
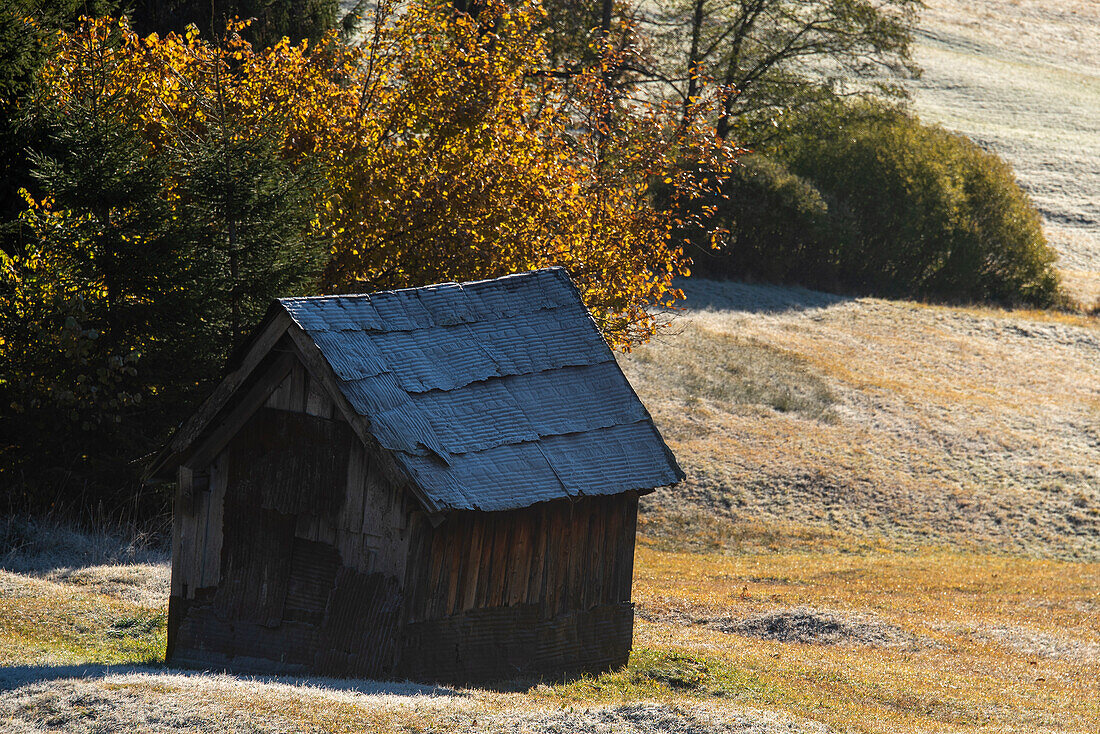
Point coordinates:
pixel 449 152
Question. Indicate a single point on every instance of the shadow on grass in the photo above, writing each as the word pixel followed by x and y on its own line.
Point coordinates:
pixel 757 298
pixel 41 545
pixel 17 676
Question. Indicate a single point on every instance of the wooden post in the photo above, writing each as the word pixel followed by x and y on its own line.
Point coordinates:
pixel 176 592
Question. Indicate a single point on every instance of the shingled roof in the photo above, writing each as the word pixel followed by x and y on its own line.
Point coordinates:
pixel 491 395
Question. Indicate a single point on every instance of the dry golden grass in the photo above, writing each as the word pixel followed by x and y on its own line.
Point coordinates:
pixel 977 643
pixel 905 423
pixel 978 621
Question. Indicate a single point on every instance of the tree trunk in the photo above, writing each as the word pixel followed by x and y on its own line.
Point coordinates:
pixel 694 62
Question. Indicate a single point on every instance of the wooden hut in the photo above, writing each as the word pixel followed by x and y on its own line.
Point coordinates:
pixel 436 483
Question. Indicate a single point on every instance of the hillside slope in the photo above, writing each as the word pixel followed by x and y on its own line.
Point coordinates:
pixel 1022 77
pixel 867 421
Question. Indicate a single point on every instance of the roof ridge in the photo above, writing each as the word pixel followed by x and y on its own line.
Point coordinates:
pixel 406 289
pixel 492 394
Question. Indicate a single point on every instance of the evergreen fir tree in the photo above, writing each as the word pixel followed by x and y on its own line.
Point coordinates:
pixel 92 298
pixel 145 265
pixel 272 19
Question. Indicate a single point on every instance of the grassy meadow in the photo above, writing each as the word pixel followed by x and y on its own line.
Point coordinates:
pixel 891 521
pixel 874 641
pixel 1022 78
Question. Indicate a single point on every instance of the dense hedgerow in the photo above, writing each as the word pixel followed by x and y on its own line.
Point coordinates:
pixel 870 200
pixel 777 227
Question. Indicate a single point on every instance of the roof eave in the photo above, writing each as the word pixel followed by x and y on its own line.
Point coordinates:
pixel 242 363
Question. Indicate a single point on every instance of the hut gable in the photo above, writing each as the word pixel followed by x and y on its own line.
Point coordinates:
pixel 492 395
pixel 437 483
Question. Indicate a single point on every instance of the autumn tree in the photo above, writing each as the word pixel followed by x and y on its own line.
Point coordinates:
pixel 439 149
pixel 770 56
pixel 777 55
pixel 470 162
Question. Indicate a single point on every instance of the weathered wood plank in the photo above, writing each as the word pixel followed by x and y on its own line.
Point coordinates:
pixel 613 532
pixel 311 576
pixel 599 569
pixel 473 565
pixel 219 479
pixel 294 463
pixel 460 547
pixel 326 529
pixel 203 452
pixel 259 348
pixel 202 532
pixel 520 559
pixel 279 398
pixel 485 565
pixel 435 572
pixel 415 576
pixel 258 547
pixel 183 486
pixel 629 537
pixel 502 548
pixel 318 402
pixel 299 388
pixel 359 635
pixel 351 514
pixel 552 580
pixel 536 580
pixel 444 566
pixel 495 644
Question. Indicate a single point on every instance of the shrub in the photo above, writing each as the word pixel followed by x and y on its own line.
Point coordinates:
pixel 777 222
pixel 868 199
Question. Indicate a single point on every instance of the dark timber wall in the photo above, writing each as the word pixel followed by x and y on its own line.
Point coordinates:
pixel 533 592
pixel 292 553
pixel 290 548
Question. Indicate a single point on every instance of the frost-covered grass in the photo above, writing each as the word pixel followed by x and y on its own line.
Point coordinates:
pixel 44 544
pixel 1022 77
pixel 114 561
pixel 910 425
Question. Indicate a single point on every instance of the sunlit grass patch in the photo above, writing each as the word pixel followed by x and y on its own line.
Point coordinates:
pixel 138 626
pixel 46 623
pixel 665 672
pixel 700 530
pixel 706 365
